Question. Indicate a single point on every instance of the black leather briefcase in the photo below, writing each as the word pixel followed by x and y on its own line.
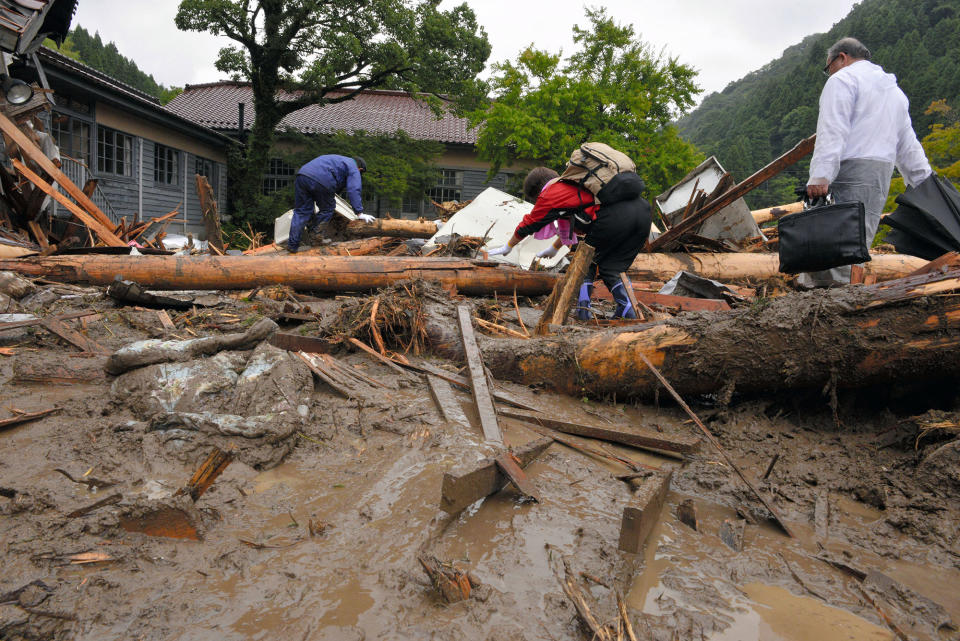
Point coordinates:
pixel 822 237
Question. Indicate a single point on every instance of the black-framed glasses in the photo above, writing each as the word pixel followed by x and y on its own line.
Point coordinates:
pixel 826 68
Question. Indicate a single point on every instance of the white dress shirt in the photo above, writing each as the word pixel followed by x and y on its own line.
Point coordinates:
pixel 864 114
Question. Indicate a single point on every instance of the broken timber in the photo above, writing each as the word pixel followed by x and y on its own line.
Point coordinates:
pixel 478 378
pixel 557 307
pixel 319 273
pixel 461 489
pixel 642 439
pixel 463 382
pixel 669 237
pixel 642 514
pixel 510 466
pixel 212 467
pixel 211 216
pixel 24 418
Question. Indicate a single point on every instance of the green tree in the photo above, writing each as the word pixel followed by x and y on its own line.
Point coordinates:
pixel 612 89
pixel 304 52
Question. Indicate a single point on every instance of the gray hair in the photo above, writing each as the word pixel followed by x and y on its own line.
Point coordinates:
pixel 850 46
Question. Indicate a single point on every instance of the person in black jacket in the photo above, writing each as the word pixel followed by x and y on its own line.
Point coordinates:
pixel 618 234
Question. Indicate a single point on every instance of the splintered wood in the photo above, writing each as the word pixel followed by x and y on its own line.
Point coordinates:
pixel 212 467
pixel 557 307
pixel 478 378
pixel 342 378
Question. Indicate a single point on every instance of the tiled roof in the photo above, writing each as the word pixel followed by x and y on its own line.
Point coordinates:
pixel 215 105
pixel 49 57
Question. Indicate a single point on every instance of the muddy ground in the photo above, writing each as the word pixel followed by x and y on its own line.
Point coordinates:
pixel 313 532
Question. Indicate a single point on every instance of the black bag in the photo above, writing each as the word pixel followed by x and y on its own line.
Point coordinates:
pixel 823 237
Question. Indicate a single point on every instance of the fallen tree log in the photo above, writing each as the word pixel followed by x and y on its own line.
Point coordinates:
pixel 761 216
pixel 316 273
pixel 394 227
pixel 847 337
pixel 758 266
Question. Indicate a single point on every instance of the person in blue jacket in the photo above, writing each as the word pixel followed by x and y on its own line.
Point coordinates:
pixel 318 182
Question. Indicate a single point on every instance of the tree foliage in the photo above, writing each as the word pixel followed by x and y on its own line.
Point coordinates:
pixel 612 89
pixel 304 52
pixel 762 115
pixel 90 49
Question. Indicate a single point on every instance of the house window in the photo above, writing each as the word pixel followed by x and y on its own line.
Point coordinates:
pixel 411 206
pixel 449 186
pixel 166 165
pixel 72 137
pixel 208 169
pixel 114 152
pixel 279 175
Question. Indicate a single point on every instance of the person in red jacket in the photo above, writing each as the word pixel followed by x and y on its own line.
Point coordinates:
pixel 616 224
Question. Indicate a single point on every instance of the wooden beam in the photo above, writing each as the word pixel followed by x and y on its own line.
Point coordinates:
pixel 478 378
pixel 510 466
pixel 465 487
pixel 803 148
pixel 72 336
pixel 558 305
pixel 447 403
pixel 36 155
pixel 211 217
pixel 641 439
pixel 103 231
pixel 643 512
pixel 461 381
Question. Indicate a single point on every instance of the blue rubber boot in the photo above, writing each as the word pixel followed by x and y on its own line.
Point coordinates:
pixel 583 302
pixel 624 308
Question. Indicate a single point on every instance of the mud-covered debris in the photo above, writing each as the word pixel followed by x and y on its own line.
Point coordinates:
pixel 451 582
pixel 687 514
pixel 127 291
pixel 87 509
pixel 731 533
pixel 174 518
pixel 15 286
pixel 212 467
pixel 150 352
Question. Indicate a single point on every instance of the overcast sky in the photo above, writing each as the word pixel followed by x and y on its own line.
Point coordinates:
pixel 723 40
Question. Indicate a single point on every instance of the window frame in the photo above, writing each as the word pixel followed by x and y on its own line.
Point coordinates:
pixel 279 176
pixel 166 165
pixel 114 161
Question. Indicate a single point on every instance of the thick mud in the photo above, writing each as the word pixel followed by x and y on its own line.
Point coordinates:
pixel 314 530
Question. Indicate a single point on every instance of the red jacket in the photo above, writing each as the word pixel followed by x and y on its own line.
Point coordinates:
pixel 557 200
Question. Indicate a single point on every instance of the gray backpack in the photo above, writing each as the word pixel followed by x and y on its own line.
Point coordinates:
pixel 594 164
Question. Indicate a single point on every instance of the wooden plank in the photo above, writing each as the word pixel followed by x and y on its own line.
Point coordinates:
pixel 317 368
pixel 478 378
pixel 945 262
pixel 463 488
pixel 510 466
pixel 803 148
pixel 106 234
pixel 681 303
pixel 298 343
pixel 212 467
pixel 34 153
pixel 24 418
pixel 72 336
pixel 638 308
pixel 641 439
pixel 38 321
pixel 558 307
pixel 38 234
pixel 461 381
pixel 165 320
pixel 640 517
pixel 378 356
pixel 446 401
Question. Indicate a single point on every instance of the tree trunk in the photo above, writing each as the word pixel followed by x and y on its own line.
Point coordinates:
pixel 735 266
pixel 318 273
pixel 394 227
pixel 211 216
pixel 848 337
pixel 761 216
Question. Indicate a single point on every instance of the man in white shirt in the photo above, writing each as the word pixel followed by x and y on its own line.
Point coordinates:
pixel 863 131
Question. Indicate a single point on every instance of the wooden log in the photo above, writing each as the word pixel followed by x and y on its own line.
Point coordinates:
pixel 761 216
pixel 393 227
pixel 212 467
pixel 878 337
pixel 478 378
pixel 753 266
pixel 25 418
pixel 642 439
pixel 642 514
pixel 318 273
pixel 466 487
pixel 558 306
pixel 803 148
pixel 211 217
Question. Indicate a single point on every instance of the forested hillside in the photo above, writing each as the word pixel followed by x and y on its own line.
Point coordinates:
pixel 765 113
pixel 90 50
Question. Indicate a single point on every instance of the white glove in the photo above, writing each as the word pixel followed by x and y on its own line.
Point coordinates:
pixel 500 251
pixel 367 218
pixel 549 252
